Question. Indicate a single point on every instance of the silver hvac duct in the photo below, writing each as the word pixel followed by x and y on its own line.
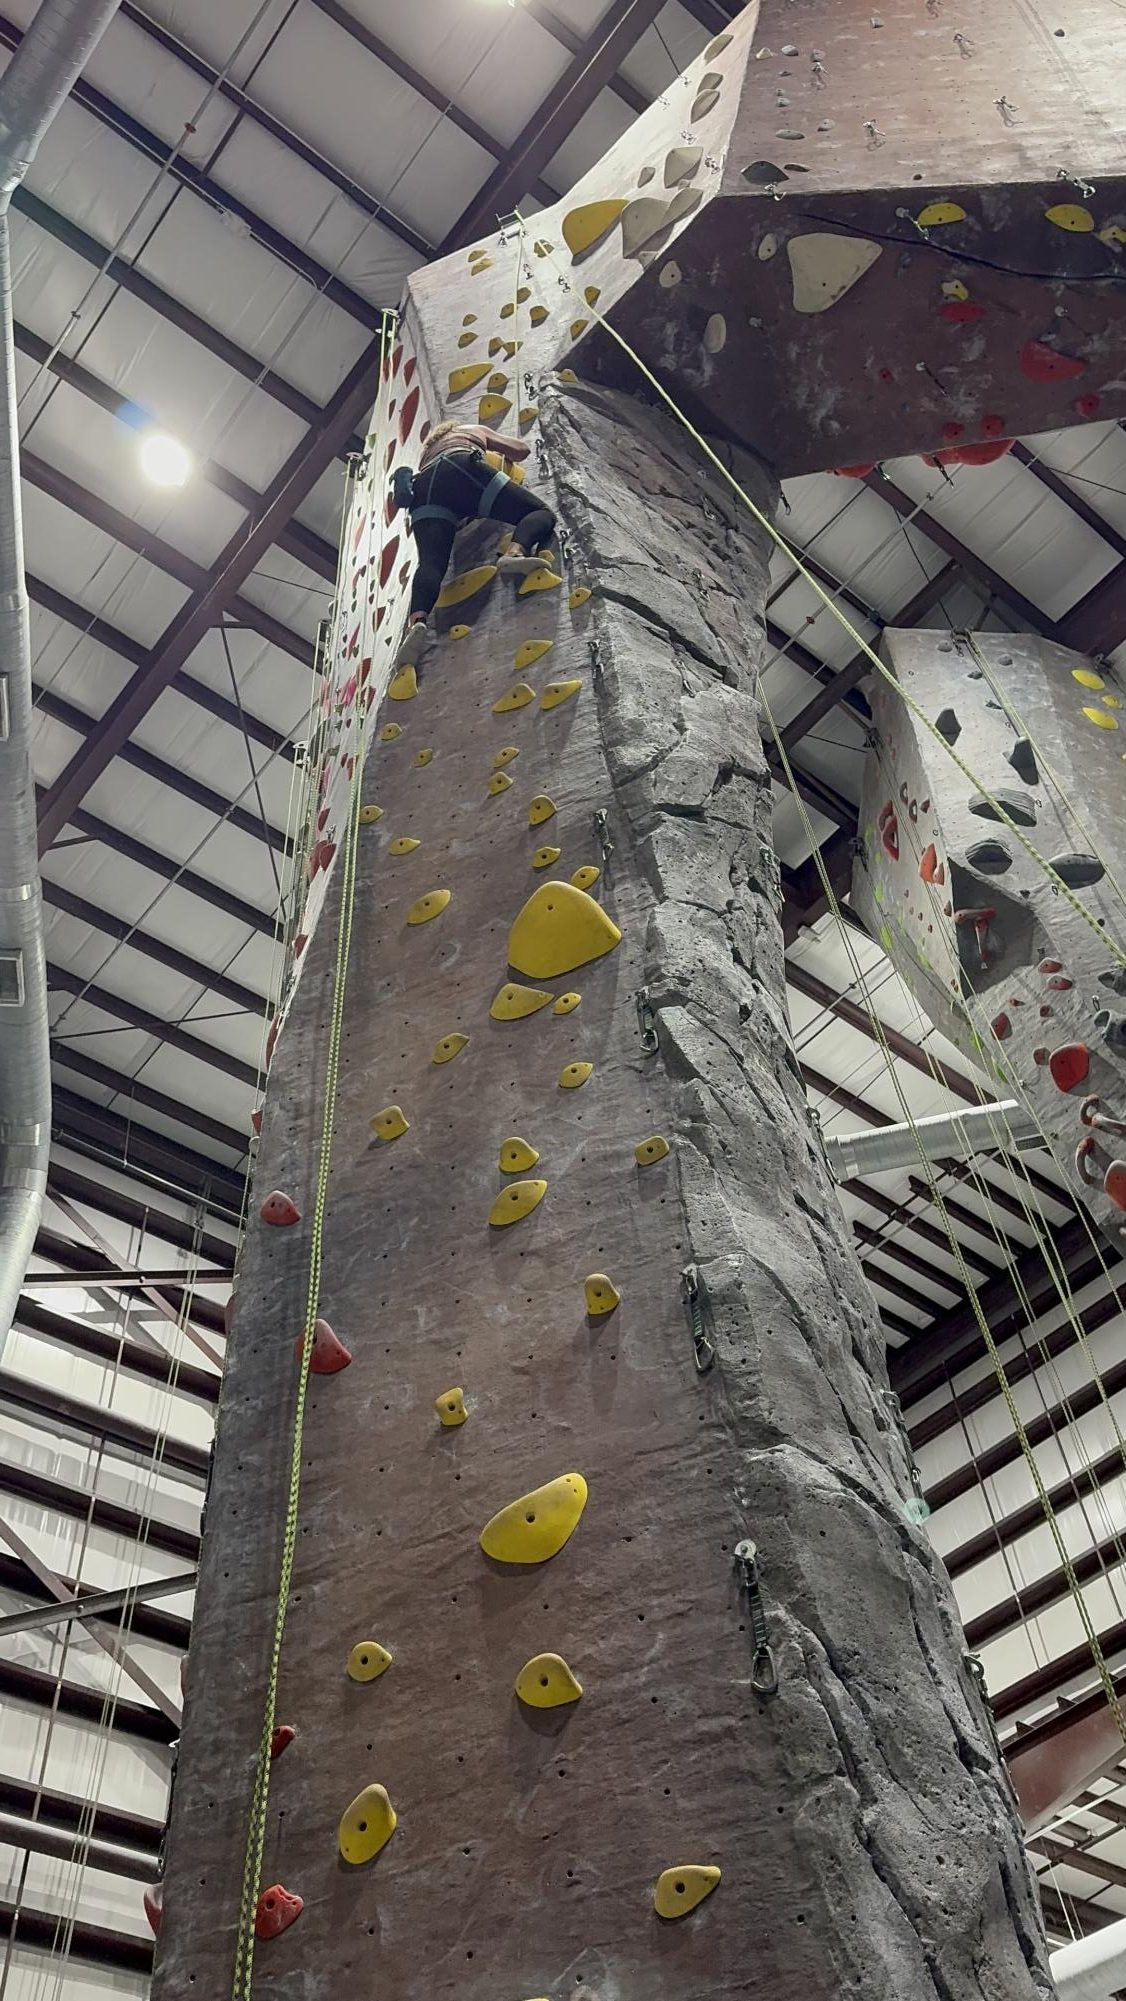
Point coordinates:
pixel 1091 1969
pixel 36 82
pixel 960 1134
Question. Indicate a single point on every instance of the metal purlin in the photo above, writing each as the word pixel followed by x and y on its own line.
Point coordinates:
pixel 256 1827
pixel 1063 889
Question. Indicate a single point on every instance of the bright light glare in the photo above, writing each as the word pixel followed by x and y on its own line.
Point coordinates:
pixel 164 459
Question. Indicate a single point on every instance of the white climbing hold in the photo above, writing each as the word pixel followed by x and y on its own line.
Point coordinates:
pixel 823 267
pixel 715 334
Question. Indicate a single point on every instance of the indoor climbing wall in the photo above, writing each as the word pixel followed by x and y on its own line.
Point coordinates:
pixel 998 895
pixel 602 1496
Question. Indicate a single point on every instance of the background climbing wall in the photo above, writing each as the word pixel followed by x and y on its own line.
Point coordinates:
pixel 865 1838
pixel 1019 966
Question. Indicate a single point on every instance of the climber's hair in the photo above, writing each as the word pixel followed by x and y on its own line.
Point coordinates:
pixel 443 429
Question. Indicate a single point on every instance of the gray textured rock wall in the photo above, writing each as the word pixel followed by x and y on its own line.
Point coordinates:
pixel 865 1833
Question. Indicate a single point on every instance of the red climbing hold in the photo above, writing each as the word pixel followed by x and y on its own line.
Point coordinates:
pixel 282 1738
pixel 1083 1153
pixel 321 857
pixel 272 1041
pixel 1060 984
pixel 952 432
pixel 278 1908
pixel 256 1120
pixel 279 1209
pixel 1042 363
pixel 322 818
pixel 1040 1057
pixel 424 433
pixel 855 472
pixel 1046 1013
pixel 153 1900
pixel 928 863
pixel 1087 406
pixel 1069 1065
pixel 389 454
pixel 961 311
pixel 1050 966
pixel 408 414
pixel 889 835
pixel 329 1354
pixel 300 943
pixel 885 813
pixel 1114 1183
pixel 1001 1026
pixel 992 426
pixel 409 367
pixel 387 559
pixel 984 455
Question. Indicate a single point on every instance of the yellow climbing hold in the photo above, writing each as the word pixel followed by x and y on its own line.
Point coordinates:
pixel 480 251
pixel 498 783
pixel 450 1407
pixel 559 929
pixel 516 698
pixel 578 327
pixel 540 580
pixel 403 844
pixel 369 815
pixel 467 585
pixel 578 596
pixel 546 1682
pixel 954 289
pixel 542 808
pixel 538 1525
pixel 491 407
pixel 367 1825
pixel 496 344
pixel 558 692
pixel 650 1150
pixel 601 1294
pixel 592 294
pixel 515 1202
pixel 403 686
pixel 460 631
pixel 1113 233
pixel 505 756
pixel 585 877
pixel 449 1047
pixel 528 415
pixel 470 319
pixel 513 1002
pixel 538 315
pixel 566 375
pixel 1112 701
pixel 496 382
pixel 586 226
pixel 516 1156
pixel 566 1004
pixel 938 212
pixel 431 905
pixel 389 732
pixel 544 857
pixel 485 264
pixel 390 1123
pixel 422 758
pixel 679 1891
pixel 465 378
pixel 1100 719
pixel 573 1076
pixel 531 651
pixel 542 248
pixel 1087 678
pixel 367 1661
pixel 466 339
pixel 1070 215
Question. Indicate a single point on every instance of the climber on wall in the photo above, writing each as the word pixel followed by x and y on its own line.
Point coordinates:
pixel 454 484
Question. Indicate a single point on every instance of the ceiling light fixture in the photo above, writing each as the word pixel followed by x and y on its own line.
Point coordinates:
pixel 164 459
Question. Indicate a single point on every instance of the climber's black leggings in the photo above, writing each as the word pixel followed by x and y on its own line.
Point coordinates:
pixel 458 480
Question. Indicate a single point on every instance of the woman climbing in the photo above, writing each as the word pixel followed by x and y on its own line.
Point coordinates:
pixel 454 484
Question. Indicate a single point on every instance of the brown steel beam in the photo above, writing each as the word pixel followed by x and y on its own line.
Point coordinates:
pixel 132 534
pixel 92 1128
pixel 1035 1689
pixel 34 1838
pixel 95 1421
pixel 81 1337
pixel 155 948
pixel 1097 624
pixel 145 1217
pixel 1058 484
pixel 61 980
pixel 132 1719
pixel 65 1056
pixel 806 897
pixel 162 865
pixel 298 541
pixel 956 1341
pixel 204 609
pixel 1060 1918
pixel 64 1810
pixel 86 1263
pixel 895 1212
pixel 982 573
pixel 97 1945
pixel 1034 1598
pixel 1068 1493
pixel 846 677
pixel 589 71
pixel 1079 1858
pixel 142 1527
pixel 900 1045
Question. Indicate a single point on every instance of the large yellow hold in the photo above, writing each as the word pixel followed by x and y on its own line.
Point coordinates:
pixel 516 698
pixel 679 1891
pixel 538 1525
pixel 559 929
pixel 465 378
pixel 546 1682
pixel 515 1202
pixel 586 226
pixel 431 905
pixel 367 1825
pixel 466 586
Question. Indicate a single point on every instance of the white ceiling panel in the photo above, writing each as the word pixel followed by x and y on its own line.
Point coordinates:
pixel 597 130
pixel 668 47
pixel 462 51
pixel 108 580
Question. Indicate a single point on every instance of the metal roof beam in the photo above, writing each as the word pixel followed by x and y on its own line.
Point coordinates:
pixel 297 540
pixel 89 1126
pixel 144 1217
pixel 92 1268
pixel 590 69
pixel 139 1524
pixel 204 609
pixel 155 948
pixel 31 1837
pixel 974 566
pixel 894 1212
pixel 81 1337
pixel 61 980
pixel 1079 1858
pixel 842 683
pixel 48 1691
pixel 1097 624
pixel 900 1045
pixel 562 32
pixel 136 1092
pixel 57 1809
pixel 97 1945
pixel 53 1409
pixel 1036 1597
pixel 214 893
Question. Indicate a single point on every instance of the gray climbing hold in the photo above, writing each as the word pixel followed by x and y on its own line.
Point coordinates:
pixel 947 725
pixel 763 173
pixel 1112 1027
pixel 1022 757
pixel 1017 805
pixel 989 857
pixel 1115 980
pixel 1078 871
